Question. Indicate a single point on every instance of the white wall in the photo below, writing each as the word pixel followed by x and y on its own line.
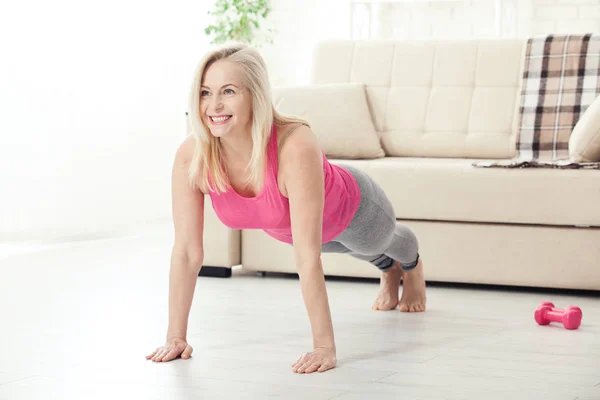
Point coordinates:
pixel 301 27
pixel 92 103
pixel 477 18
pixel 572 16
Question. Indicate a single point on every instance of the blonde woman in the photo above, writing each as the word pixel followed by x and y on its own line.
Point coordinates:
pixel 264 170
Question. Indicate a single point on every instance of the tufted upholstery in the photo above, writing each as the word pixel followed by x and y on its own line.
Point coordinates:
pixel 433 98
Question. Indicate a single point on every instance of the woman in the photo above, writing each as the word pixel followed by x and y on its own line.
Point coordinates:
pixel 266 171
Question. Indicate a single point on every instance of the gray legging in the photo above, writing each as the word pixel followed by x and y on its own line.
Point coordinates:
pixel 373 234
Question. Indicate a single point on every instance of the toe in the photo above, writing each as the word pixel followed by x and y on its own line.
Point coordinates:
pixel 384 304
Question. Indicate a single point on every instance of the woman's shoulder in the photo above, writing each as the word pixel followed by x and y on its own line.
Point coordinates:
pixel 185 151
pixel 291 132
pixel 297 138
pixel 184 158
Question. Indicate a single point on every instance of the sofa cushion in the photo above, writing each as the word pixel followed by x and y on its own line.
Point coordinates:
pixel 454 190
pixel 584 142
pixel 337 113
pixel 433 98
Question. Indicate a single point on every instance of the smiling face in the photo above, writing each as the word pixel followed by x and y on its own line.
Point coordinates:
pixel 225 104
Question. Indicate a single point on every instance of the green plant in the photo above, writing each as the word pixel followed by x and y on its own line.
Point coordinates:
pixel 240 21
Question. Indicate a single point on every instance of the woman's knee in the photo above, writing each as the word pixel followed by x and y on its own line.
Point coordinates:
pixel 406 235
pixel 405 247
pixel 395 240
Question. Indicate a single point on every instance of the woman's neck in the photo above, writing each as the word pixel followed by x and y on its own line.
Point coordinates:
pixel 237 148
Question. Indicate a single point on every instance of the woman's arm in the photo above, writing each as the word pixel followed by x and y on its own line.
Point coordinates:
pixel 188 249
pixel 186 257
pixel 302 163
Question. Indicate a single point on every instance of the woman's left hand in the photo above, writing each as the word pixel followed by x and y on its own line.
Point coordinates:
pixel 319 360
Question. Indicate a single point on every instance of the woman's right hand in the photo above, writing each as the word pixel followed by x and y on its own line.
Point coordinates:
pixel 173 348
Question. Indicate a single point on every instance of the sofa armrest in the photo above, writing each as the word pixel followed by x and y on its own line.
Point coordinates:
pixel 222 245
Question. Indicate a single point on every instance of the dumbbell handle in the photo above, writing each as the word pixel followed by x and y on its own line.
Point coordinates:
pixel 556 316
pixel 562 310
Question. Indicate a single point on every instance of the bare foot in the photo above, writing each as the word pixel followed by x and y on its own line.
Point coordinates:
pixel 388 293
pixel 413 290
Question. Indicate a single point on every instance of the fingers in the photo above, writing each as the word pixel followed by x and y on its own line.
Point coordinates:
pixel 162 354
pixel 149 356
pixel 307 364
pixel 312 362
pixel 312 368
pixel 302 361
pixel 304 367
pixel 159 354
pixel 325 367
pixel 171 354
pixel 187 352
pixel 298 360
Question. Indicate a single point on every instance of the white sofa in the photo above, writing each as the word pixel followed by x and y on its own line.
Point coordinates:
pixel 435 108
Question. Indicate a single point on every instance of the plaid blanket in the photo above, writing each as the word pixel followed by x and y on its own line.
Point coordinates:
pixel 561 78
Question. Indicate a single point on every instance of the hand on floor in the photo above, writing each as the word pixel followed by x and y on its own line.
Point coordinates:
pixel 171 350
pixel 319 360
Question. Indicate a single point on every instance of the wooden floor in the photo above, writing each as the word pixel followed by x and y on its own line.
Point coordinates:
pixel 76 323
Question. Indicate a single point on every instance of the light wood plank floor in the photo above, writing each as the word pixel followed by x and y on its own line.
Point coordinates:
pixel 77 322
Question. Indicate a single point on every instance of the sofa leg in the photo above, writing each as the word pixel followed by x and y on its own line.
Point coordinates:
pixel 215 272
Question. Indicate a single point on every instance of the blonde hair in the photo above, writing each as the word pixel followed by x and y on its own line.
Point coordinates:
pixel 208 152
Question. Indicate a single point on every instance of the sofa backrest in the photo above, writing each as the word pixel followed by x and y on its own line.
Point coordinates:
pixel 433 98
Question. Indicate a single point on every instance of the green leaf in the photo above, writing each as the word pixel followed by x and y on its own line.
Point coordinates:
pixel 238 20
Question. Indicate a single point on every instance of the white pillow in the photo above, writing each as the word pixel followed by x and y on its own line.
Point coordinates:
pixel 584 142
pixel 337 113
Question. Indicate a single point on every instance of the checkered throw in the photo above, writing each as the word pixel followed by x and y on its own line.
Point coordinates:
pixel 561 78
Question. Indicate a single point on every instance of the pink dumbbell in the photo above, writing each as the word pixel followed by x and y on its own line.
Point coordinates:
pixel 570 316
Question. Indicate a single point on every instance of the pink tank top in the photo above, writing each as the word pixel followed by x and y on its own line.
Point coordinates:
pixel 270 210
